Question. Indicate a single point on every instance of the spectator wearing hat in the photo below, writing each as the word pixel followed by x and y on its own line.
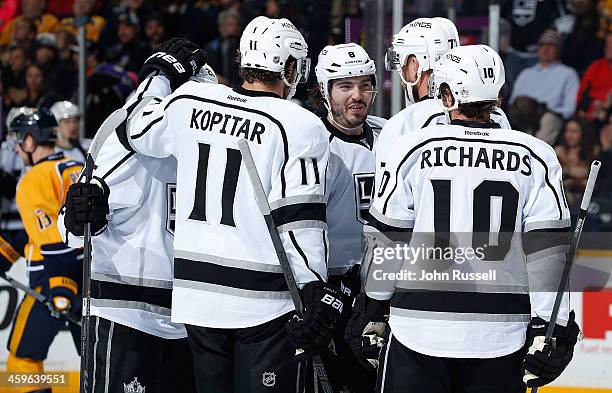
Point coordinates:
pixel 93 26
pixel 549 81
pixel 130 52
pixel 155 31
pixel 222 50
pixel 32 10
pixel 58 75
pixel 596 84
pixel 139 9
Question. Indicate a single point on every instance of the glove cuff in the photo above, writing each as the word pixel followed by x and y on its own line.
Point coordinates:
pixel 64 282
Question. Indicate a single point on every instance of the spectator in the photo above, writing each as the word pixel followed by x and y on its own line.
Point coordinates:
pixel 94 25
pixel 36 97
pixel 32 10
pixel 532 117
pixel 549 81
pixel 528 20
pixel 13 76
pixel 244 11
pixel 24 34
pixel 200 23
pixel 575 153
pixel 155 31
pixel 58 75
pixel 222 51
pixel 604 180
pixel 65 39
pixel 596 83
pixel 137 9
pixel 130 52
pixel 583 44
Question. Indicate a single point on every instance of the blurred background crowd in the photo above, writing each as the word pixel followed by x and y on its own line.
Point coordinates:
pixel 557 54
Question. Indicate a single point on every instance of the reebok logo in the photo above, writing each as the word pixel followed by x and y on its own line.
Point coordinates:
pixel 477 133
pixel 232 98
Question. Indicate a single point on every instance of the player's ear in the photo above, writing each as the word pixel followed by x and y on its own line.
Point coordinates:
pixel 409 69
pixel 28 144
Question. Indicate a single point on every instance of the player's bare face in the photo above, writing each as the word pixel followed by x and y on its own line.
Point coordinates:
pixel 351 99
pixel 69 128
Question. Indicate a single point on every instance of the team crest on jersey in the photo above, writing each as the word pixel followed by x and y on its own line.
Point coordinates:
pixel 364 191
pixel 268 379
pixel 134 387
pixel 171 208
pixel 524 11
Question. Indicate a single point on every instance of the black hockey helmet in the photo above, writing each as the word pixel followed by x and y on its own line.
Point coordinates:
pixel 40 123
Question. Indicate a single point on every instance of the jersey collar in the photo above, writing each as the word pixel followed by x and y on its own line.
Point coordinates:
pixel 475 124
pixel 365 139
pixel 255 93
pixel 51 157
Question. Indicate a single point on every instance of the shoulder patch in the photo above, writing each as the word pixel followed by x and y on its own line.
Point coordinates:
pixel 62 166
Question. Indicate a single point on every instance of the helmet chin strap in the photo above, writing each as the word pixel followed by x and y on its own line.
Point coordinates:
pixel 410 87
pixel 292 86
pixel 342 128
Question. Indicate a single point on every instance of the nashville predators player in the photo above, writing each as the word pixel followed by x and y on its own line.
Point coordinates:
pixel 54 269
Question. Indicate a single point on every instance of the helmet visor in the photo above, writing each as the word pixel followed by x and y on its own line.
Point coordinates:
pixel 303 69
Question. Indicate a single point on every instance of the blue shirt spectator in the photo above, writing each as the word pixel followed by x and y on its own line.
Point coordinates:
pixel 549 81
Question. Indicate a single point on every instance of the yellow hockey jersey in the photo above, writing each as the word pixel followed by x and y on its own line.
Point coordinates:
pixel 40 195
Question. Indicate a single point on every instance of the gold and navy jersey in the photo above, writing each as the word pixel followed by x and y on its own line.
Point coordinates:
pixel 40 195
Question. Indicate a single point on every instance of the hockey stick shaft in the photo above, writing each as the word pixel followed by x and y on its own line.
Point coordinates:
pixel 264 207
pixel 106 129
pixel 571 255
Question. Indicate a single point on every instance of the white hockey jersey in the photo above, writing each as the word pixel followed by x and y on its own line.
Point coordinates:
pixel 473 179
pixel 415 117
pixel 226 272
pixel 131 269
pixel 350 183
pixel 77 153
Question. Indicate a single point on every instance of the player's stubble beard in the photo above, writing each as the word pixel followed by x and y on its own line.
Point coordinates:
pixel 340 113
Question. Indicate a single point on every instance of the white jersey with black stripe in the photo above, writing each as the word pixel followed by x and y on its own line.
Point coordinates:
pixel 131 269
pixel 350 182
pixel 226 272
pixel 472 181
pixel 415 117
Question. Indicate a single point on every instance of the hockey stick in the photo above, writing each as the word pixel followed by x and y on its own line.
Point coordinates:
pixel 571 255
pixel 13 256
pixel 264 207
pixel 108 127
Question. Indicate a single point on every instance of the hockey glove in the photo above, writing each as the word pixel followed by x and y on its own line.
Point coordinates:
pixel 322 309
pixel 87 203
pixel 350 283
pixel 543 362
pixel 62 291
pixel 366 330
pixel 178 59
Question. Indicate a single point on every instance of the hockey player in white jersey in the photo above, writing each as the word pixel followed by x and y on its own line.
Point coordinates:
pixel 134 344
pixel 414 50
pixel 346 89
pixel 69 142
pixel 471 176
pixel 228 286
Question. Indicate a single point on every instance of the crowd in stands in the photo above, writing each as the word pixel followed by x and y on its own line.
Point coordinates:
pixel 557 53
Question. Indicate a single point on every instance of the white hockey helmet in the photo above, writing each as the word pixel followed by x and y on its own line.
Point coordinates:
pixel 206 75
pixel 474 73
pixel 343 61
pixel 65 110
pixel 425 38
pixel 267 44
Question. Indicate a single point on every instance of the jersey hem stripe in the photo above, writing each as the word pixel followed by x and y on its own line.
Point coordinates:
pixel 245 293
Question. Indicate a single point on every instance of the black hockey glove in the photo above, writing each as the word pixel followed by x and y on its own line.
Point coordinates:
pixel 543 362
pixel 178 58
pixel 322 309
pixel 350 283
pixel 366 331
pixel 87 203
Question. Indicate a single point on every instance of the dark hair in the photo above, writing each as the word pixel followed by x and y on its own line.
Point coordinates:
pixel 252 75
pixel 472 110
pixel 586 151
pixel 316 99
